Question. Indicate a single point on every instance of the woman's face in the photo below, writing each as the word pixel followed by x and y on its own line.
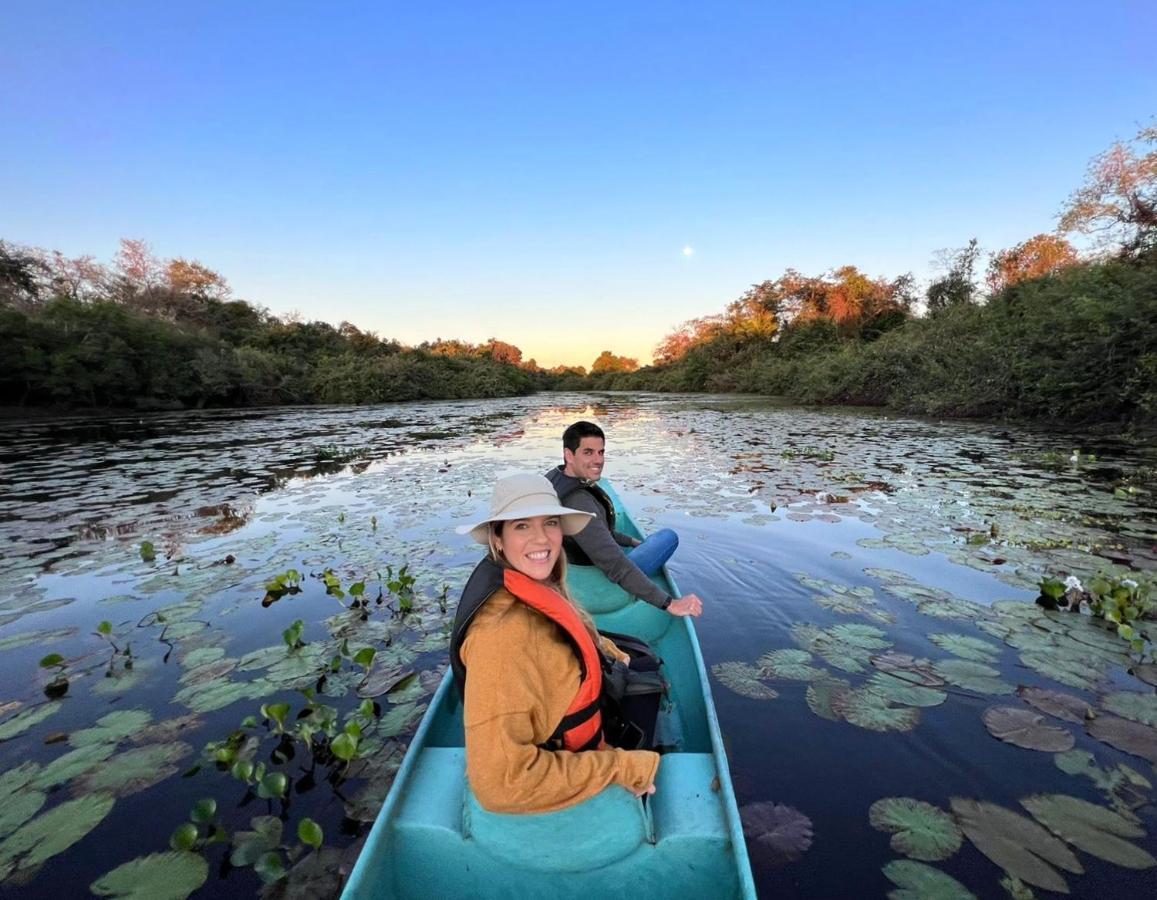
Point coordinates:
pixel 532 545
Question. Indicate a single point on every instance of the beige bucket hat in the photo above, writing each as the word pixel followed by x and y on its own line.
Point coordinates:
pixel 522 497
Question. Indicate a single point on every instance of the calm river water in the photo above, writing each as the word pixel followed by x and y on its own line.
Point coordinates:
pixel 867 583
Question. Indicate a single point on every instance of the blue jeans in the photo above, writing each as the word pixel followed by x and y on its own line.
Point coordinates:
pixel 654 551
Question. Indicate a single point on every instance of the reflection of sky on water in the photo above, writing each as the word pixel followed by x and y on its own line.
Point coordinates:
pixel 757 492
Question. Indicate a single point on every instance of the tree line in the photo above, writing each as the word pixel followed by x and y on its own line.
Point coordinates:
pixel 1042 333
pixel 167 334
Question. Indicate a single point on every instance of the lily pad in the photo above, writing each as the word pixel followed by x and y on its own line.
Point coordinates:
pixel 71 764
pixel 40 638
pixel 1132 737
pixel 319 874
pixel 1147 673
pixel 789 664
pixel 159 876
pixel 121 681
pixel 378 771
pixel 25 719
pixel 381 680
pixel 202 656
pixel 1024 728
pixel 966 647
pixel 921 830
pixel 918 881
pixel 865 709
pixel 1063 706
pixel 18 809
pixel 898 690
pixel 1092 828
pixel 208 672
pixel 1017 844
pixel 866 637
pixel 1075 673
pixel 1016 889
pixel 135 770
pixel 743 678
pixel 401 719
pixel 972 676
pixel 17 778
pixel 37 841
pixel 820 695
pixel 250 846
pixel 1130 705
pixel 203 698
pixel 168 730
pixel 776 834
pixel 263 658
pixel 909 668
pixel 112 728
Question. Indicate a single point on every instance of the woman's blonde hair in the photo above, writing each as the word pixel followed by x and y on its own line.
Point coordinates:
pixel 557 581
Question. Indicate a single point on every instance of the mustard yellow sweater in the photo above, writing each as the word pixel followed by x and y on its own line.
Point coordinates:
pixel 522 677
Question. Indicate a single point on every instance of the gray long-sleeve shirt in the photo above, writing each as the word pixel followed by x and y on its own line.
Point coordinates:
pixel 605 549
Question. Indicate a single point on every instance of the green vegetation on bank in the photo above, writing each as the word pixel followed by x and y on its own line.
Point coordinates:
pixel 1048 336
pixel 1079 346
pixel 153 335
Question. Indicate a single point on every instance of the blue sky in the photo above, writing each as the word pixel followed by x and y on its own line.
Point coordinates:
pixel 533 171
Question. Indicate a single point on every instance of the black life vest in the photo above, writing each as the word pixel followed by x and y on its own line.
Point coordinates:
pixel 581 727
pixel 566 485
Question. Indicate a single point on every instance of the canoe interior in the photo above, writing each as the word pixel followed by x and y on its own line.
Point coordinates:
pixel 431 838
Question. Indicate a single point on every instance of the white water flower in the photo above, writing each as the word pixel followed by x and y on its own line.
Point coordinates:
pixel 1073 583
pixel 1129 583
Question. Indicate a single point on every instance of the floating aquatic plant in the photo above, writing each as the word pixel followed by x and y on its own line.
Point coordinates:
pixel 1016 843
pixel 1026 729
pixel 26 719
pixel 1055 703
pixel 37 841
pixel 743 678
pixel 1094 829
pixel 919 830
pixel 868 709
pixel 972 676
pixel 776 833
pixel 1132 737
pixel 918 881
pixel 1131 705
pixel 172 875
pixel 898 690
pixel 789 664
pixel 966 647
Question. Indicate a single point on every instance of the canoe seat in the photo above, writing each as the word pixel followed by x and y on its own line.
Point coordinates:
pixel 685 805
pixel 595 833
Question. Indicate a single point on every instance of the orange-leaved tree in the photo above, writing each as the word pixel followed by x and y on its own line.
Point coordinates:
pixel 608 362
pixel 1118 202
pixel 1040 255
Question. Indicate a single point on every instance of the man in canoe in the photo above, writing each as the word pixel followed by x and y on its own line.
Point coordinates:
pixel 624 560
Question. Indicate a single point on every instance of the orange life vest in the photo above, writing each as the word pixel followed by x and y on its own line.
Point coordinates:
pixel 581 727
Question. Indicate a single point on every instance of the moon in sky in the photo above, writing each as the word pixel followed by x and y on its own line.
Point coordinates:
pixel 688 250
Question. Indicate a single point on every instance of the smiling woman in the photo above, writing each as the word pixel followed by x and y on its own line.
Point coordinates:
pixel 534 743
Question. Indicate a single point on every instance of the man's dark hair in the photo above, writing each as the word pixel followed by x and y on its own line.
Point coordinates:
pixel 573 436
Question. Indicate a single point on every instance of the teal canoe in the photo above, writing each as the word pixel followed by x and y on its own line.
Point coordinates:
pixel 432 839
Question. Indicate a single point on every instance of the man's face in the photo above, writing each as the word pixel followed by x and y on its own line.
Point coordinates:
pixel 587 461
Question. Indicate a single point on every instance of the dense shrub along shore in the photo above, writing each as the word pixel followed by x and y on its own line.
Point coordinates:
pixel 1077 346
